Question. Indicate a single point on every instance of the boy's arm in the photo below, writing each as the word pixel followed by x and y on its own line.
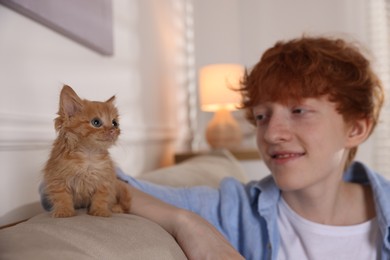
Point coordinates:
pixel 197 237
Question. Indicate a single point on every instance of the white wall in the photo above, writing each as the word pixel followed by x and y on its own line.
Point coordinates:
pixel 265 22
pixel 241 30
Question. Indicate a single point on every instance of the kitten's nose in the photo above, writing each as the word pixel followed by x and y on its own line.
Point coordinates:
pixel 112 132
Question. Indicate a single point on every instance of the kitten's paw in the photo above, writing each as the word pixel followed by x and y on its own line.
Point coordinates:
pixel 117 209
pixel 125 209
pixel 100 212
pixel 63 213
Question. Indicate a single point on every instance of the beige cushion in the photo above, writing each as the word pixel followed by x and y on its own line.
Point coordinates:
pixel 208 169
pixel 120 236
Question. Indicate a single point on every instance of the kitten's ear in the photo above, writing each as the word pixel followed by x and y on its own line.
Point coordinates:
pixel 70 103
pixel 111 99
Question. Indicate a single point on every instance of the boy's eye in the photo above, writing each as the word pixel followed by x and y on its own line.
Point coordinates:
pixel 261 118
pixel 115 123
pixel 298 110
pixel 96 122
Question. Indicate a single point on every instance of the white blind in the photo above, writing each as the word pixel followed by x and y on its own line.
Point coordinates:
pixel 380 43
pixel 186 81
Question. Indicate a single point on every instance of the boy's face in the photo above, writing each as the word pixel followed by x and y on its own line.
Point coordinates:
pixel 305 145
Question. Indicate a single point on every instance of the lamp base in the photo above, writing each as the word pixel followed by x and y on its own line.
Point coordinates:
pixel 223 131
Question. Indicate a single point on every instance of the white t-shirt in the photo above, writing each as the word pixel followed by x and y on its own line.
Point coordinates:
pixel 302 239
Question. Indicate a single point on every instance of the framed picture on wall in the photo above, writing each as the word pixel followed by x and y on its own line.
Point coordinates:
pixel 88 22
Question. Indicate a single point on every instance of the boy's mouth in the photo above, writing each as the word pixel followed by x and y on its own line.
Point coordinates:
pixel 286 155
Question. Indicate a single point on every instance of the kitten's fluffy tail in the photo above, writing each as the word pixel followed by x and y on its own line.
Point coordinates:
pixel 123 196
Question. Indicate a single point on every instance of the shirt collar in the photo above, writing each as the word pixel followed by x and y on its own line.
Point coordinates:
pixel 360 173
pixel 269 192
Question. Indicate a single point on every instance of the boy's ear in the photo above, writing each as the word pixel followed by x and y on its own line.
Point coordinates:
pixel 359 131
pixel 70 102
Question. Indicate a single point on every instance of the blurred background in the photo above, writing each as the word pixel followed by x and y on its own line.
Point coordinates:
pixel 151 55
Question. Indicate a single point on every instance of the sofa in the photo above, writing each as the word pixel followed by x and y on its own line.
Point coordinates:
pixel 122 236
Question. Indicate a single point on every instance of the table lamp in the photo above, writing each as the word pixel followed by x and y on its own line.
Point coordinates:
pixel 217 84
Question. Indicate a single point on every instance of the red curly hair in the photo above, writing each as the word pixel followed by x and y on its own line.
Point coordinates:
pixel 311 67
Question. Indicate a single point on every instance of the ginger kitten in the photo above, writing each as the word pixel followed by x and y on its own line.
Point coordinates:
pixel 80 172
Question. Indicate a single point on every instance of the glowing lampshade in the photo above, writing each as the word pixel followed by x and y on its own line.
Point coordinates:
pixel 217 85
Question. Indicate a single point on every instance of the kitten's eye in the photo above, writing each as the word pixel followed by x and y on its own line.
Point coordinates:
pixel 115 123
pixel 96 122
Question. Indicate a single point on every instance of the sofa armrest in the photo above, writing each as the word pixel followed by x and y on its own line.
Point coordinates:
pixel 86 237
pixel 121 236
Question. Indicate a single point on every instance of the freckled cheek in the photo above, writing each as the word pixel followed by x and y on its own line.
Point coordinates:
pixel 329 145
pixel 322 147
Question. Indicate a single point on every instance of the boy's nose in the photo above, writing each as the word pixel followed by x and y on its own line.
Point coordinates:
pixel 277 130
